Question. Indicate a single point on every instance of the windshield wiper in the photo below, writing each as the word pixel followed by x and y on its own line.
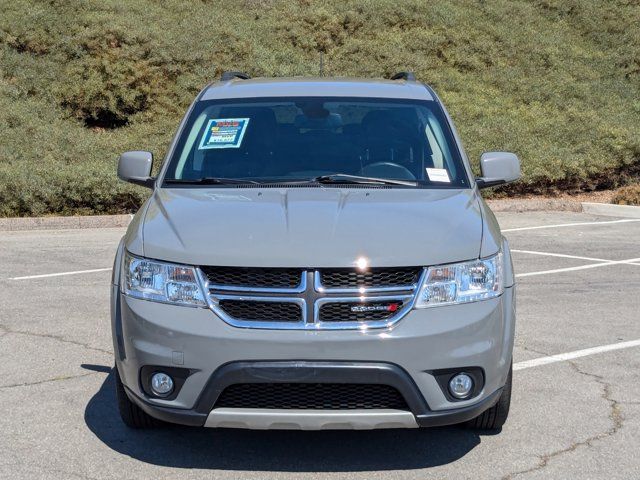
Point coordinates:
pixel 346 178
pixel 210 181
pixel 334 178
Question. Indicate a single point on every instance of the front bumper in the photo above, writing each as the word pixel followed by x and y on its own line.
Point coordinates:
pixel 476 334
pixel 204 413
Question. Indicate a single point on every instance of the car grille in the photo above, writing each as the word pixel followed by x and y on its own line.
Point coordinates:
pixel 344 278
pixel 328 298
pixel 274 278
pixel 262 311
pixel 316 396
pixel 359 312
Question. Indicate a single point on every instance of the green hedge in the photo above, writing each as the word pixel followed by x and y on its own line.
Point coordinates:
pixel 557 82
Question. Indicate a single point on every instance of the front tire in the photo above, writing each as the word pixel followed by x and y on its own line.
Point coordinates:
pixel 495 417
pixel 132 415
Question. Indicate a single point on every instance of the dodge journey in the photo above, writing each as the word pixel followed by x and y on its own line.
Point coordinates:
pixel 315 254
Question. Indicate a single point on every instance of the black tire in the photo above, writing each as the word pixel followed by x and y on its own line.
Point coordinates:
pixel 132 415
pixel 495 417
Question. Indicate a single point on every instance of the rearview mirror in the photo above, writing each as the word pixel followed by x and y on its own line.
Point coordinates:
pixel 135 167
pixel 498 168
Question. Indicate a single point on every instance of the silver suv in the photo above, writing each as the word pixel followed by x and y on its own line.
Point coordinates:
pixel 315 254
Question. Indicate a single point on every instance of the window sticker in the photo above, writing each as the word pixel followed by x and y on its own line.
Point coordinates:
pixel 438 175
pixel 224 133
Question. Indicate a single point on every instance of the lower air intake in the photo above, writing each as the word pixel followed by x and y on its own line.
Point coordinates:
pixel 315 396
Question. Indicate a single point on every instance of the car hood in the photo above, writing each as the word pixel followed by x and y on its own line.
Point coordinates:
pixel 312 227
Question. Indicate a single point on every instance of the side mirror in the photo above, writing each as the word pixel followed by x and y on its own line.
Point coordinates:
pixel 135 167
pixel 498 168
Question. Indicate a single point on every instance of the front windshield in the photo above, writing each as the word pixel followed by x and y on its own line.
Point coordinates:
pixel 273 140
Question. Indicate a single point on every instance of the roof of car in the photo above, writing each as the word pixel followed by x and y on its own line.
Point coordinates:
pixel 316 87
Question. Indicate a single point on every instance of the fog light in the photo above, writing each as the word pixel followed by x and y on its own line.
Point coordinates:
pixel 461 385
pixel 161 384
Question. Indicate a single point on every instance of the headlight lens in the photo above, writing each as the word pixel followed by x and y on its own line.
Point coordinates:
pixel 461 282
pixel 162 282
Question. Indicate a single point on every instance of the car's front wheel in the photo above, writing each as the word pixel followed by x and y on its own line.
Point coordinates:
pixel 132 415
pixel 495 417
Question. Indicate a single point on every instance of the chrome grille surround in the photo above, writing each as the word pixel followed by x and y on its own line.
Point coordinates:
pixel 311 295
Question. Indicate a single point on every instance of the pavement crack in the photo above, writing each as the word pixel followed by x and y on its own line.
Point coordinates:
pixel 615 415
pixel 59 338
pixel 49 380
pixel 615 412
pixel 532 350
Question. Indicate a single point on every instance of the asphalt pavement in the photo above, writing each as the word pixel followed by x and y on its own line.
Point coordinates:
pixel 576 401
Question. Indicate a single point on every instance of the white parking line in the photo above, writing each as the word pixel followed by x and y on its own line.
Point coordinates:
pixel 60 274
pixel 631 261
pixel 561 255
pixel 581 267
pixel 567 269
pixel 601 262
pixel 576 224
pixel 563 357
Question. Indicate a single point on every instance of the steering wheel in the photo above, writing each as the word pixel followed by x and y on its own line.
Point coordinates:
pixel 387 170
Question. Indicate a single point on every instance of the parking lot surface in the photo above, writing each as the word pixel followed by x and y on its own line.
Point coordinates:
pixel 575 409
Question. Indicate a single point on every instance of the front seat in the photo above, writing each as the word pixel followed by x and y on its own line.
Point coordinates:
pixel 392 147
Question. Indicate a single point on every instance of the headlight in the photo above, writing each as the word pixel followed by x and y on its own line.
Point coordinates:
pixel 161 282
pixel 461 282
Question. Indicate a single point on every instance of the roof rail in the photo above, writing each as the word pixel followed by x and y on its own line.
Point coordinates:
pixel 230 75
pixel 408 76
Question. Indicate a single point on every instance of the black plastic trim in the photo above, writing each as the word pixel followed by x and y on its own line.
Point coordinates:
pixel 443 376
pixel 148 182
pixel 118 326
pixel 311 372
pixel 441 418
pixel 408 76
pixel 181 416
pixel 484 183
pixel 230 75
pixel 286 372
pixel 316 372
pixel 179 376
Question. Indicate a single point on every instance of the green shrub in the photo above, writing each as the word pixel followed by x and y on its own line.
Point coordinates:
pixel 110 83
pixel 629 195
